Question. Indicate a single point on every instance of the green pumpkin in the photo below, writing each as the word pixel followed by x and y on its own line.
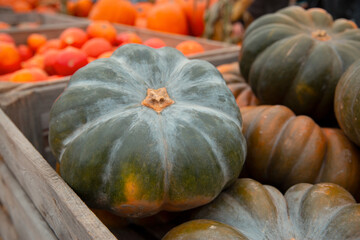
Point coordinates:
pixel 347 106
pixel 147 130
pixel 323 211
pixel 295 57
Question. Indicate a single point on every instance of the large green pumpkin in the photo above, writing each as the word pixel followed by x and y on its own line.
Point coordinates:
pixel 285 149
pixel 295 57
pixel 323 211
pixel 147 130
pixel 347 102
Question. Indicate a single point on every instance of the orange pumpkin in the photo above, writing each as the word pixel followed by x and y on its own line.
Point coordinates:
pixel 238 86
pixel 284 149
pixel 167 17
pixel 119 11
pixel 102 29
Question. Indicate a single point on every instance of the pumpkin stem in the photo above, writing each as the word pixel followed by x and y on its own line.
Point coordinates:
pixel 157 99
pixel 320 35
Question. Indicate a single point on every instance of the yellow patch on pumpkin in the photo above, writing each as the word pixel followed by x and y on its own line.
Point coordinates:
pixel 131 188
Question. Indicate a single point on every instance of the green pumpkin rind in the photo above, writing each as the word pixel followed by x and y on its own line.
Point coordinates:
pixel 306 211
pixel 285 65
pixel 123 156
pixel 347 107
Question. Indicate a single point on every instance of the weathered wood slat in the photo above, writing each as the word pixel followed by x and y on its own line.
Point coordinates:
pixel 7 229
pixel 29 224
pixel 62 209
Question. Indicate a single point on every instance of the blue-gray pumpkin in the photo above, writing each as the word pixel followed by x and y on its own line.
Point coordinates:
pixel 147 130
pixel 322 211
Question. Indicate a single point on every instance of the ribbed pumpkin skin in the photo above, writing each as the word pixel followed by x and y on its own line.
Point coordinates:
pixel 123 156
pixel 285 64
pixel 203 229
pixel 323 211
pixel 347 106
pixel 284 149
pixel 237 84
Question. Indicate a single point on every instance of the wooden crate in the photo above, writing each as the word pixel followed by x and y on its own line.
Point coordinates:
pixel 51 25
pixel 216 52
pixel 47 22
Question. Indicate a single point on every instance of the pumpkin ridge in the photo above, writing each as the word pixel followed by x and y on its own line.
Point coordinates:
pixel 281 210
pixel 218 156
pixel 108 86
pixel 275 144
pixel 275 19
pixel 335 209
pixel 269 53
pixel 290 173
pixel 167 163
pixel 251 126
pixel 115 146
pixel 300 70
pixel 85 127
pixel 323 161
pixel 111 62
pixel 342 211
pixel 298 79
pixel 208 110
pixel 230 196
pixel 207 74
pixel 130 70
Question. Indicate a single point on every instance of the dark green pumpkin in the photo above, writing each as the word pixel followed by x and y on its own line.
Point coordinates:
pixel 147 130
pixel 295 57
pixel 323 211
pixel 347 102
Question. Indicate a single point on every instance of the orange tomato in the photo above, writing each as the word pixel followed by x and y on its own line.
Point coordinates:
pixel 36 61
pixel 50 44
pixel 155 43
pixel 49 60
pixel 69 60
pixel 102 29
pixel 25 52
pixel 10 59
pixel 106 54
pixel 127 37
pixel 4 37
pixel 36 40
pixel 96 46
pixel 28 75
pixel 74 37
pixel 189 47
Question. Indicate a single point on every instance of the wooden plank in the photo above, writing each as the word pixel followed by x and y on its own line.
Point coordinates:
pixel 29 224
pixel 28 107
pixel 7 230
pixel 63 210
